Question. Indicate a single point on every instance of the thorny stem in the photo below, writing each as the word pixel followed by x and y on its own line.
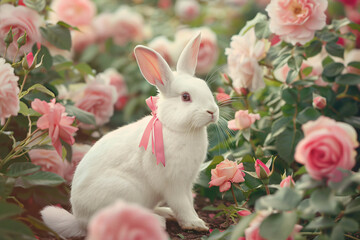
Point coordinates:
pixel 232 191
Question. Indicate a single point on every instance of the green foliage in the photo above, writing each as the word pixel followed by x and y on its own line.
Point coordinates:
pixel 57 35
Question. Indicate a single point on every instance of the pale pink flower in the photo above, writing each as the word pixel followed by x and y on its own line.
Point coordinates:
pixel 83 38
pixel 187 10
pixel 253 231
pixel 225 173
pixel 262 171
pixel 49 160
pixel 9 90
pixel 97 98
pixel 296 21
pixel 78 152
pixel 21 19
pixel 125 221
pixel 74 12
pixel 208 51
pixel 56 120
pixel 287 182
pixel 319 102
pixel 327 145
pixel 103 26
pixel 128 26
pixel 243 56
pixel 243 119
pixel 114 78
pixel 163 46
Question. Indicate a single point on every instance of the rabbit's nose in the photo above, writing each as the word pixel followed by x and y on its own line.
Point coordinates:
pixel 211 113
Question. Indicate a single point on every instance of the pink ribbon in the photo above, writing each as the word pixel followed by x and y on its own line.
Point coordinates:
pixel 154 128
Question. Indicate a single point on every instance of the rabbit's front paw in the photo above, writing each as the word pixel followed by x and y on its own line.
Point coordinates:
pixel 197 225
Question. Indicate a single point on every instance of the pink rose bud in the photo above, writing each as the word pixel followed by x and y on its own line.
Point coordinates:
pixel 287 182
pixel 222 97
pixel 262 171
pixel 226 78
pixel 244 213
pixel 243 119
pixel 319 102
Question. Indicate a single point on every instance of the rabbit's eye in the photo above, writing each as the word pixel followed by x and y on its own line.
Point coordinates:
pixel 185 97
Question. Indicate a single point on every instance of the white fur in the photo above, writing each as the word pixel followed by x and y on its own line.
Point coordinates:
pixel 117 168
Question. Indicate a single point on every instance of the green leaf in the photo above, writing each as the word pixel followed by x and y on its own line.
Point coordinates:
pixel 354 26
pixel 333 69
pixel 39 88
pixel 262 30
pixel 280 125
pixel 313 49
pixel 57 35
pixel 44 52
pixel 24 110
pixel 323 200
pixel 354 64
pixel 84 69
pixel 15 229
pixel 22 168
pixel 286 142
pixel 348 79
pixel 307 114
pixel 64 24
pixel 306 210
pixel 285 199
pixel 37 5
pixel 349 225
pixel 292 76
pixel 9 210
pixel 240 228
pixel 80 114
pixel 354 206
pixel 289 95
pixel 295 63
pixel 335 50
pixel 306 182
pixel 271 225
pixel 300 171
pixel 320 223
pixel 337 233
pixel 42 179
pixel 339 23
pixel 260 17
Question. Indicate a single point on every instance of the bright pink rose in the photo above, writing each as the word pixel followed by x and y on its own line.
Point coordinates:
pixel 125 221
pixel 319 102
pixel 351 3
pixel 296 21
pixel 287 182
pixel 113 78
pixel 208 51
pixel 98 98
pixel 163 46
pixel 225 173
pixel 9 90
pixel 253 231
pixel 49 160
pixel 327 145
pixel 243 55
pixel 128 26
pixel 244 213
pixel 75 12
pixel 21 19
pixel 243 119
pixel 56 120
pixel 187 10
pixel 262 171
pixel 78 152
pixel 83 38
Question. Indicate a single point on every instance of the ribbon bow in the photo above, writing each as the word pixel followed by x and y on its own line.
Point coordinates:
pixel 154 128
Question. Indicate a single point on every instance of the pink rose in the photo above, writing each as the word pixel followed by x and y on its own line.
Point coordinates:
pixel 56 120
pixel 287 182
pixel 351 3
pixel 128 26
pixel 9 90
pixel 83 38
pixel 262 171
pixel 244 213
pixel 296 21
pixel 187 10
pixel 78 152
pixel 319 102
pixel 102 25
pixel 243 119
pixel 49 160
pixel 208 51
pixel 163 46
pixel 243 55
pixel 327 145
pixel 98 98
pixel 113 78
pixel 74 12
pixel 125 221
pixel 223 97
pixel 21 19
pixel 225 173
pixel 253 231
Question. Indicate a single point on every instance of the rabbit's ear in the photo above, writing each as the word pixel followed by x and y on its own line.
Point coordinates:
pixel 188 57
pixel 153 67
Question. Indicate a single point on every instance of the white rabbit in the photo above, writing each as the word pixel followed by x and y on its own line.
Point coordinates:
pixel 117 168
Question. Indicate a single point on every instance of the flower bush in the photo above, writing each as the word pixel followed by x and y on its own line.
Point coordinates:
pixel 284 156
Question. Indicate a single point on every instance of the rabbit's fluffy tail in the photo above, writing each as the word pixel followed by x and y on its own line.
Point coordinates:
pixel 62 222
